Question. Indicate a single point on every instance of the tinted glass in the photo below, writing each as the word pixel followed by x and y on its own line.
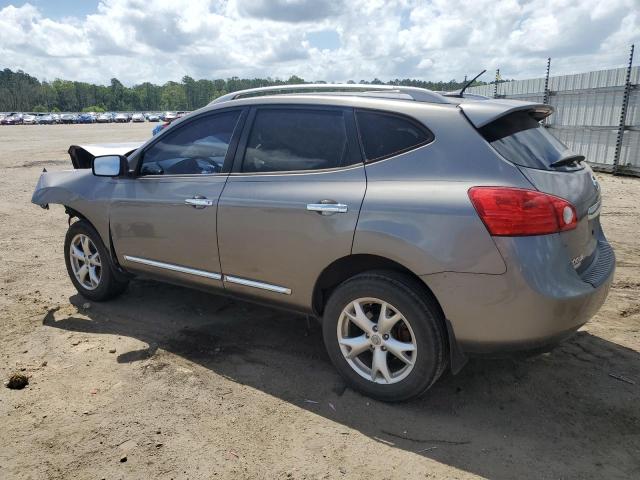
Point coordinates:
pixel 521 139
pixel 384 135
pixel 196 148
pixel 294 139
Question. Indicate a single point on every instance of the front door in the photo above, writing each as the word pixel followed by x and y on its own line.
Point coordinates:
pixel 291 205
pixel 163 220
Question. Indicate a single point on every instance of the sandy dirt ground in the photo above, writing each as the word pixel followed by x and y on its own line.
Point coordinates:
pixel 166 382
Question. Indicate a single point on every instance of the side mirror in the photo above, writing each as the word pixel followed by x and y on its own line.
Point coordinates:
pixel 109 165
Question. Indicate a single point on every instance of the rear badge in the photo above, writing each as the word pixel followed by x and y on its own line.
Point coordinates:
pixel 577 261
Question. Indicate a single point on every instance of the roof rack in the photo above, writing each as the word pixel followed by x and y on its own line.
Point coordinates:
pixel 415 93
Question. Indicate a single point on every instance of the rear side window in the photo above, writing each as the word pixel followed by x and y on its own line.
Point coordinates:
pixel 521 139
pixel 385 134
pixel 295 139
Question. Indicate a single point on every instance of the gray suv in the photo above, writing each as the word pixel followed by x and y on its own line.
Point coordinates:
pixel 420 228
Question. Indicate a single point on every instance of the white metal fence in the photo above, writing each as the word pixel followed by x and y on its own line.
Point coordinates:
pixel 587 113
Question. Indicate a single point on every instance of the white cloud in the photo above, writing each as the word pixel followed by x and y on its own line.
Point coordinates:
pixel 160 40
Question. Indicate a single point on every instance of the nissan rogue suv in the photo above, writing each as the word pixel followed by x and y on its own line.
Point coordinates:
pixel 419 228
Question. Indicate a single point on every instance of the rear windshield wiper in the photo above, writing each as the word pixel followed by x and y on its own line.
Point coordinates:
pixel 569 159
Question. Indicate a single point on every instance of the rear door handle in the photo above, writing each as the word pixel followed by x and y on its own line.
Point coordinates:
pixel 327 207
pixel 198 201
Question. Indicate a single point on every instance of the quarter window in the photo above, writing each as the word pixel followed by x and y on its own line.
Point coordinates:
pixel 296 139
pixel 198 147
pixel 384 135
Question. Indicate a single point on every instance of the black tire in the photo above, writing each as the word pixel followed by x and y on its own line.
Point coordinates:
pixel 109 286
pixel 420 311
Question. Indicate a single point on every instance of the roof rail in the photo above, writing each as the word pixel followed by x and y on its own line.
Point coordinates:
pixel 415 93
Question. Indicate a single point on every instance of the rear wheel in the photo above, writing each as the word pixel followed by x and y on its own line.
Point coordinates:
pixel 385 336
pixel 89 264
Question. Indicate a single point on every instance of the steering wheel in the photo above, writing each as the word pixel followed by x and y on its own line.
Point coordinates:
pixel 193 165
pixel 215 166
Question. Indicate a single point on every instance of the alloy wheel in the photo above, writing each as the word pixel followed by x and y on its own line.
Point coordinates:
pixel 377 341
pixel 85 262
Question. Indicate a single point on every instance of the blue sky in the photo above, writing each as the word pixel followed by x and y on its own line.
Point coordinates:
pixel 332 40
pixel 58 9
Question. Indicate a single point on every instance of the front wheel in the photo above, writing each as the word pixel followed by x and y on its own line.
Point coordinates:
pixel 89 264
pixel 385 336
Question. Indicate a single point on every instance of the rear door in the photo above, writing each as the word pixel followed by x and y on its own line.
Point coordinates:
pixel 163 220
pixel 290 206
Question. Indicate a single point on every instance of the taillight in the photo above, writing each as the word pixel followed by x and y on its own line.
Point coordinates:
pixel 514 212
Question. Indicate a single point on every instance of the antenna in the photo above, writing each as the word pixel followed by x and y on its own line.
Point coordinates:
pixel 468 84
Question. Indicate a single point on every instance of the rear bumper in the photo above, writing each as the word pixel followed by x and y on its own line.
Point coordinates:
pixel 538 302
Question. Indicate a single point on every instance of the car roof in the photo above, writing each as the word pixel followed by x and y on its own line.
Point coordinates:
pixel 398 105
pixel 478 109
pixel 412 93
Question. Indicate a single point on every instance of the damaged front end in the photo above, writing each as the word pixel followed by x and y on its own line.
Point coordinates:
pixel 69 187
pixel 62 187
pixel 83 194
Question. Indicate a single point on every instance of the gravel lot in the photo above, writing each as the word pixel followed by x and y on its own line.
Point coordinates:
pixel 165 382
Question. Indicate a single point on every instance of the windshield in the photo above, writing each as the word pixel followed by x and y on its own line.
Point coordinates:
pixel 521 139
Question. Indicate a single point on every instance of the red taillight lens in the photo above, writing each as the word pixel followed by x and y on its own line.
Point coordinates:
pixel 515 212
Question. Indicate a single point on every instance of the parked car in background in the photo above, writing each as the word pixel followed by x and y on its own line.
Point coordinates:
pixel 45 119
pixel 153 117
pixel 122 118
pixel 420 228
pixel 137 117
pixel 168 116
pixel 86 118
pixel 29 119
pixel 104 118
pixel 56 118
pixel 13 119
pixel 68 118
pixel 2 116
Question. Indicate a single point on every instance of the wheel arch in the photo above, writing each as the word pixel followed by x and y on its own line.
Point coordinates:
pixel 120 272
pixel 350 265
pixel 73 213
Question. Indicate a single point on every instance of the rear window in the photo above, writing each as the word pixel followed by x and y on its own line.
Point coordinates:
pixel 521 139
pixel 295 139
pixel 385 134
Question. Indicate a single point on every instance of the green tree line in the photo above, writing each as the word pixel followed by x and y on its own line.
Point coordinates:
pixel 22 92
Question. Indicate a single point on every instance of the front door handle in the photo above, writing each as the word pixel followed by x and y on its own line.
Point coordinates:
pixel 327 207
pixel 198 201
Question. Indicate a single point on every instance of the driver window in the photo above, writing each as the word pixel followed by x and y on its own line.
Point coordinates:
pixel 196 148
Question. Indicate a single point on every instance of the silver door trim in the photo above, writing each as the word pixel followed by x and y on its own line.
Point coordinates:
pixel 174 268
pixel 261 285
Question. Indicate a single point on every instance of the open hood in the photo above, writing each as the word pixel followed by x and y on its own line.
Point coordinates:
pixel 82 155
pixel 481 112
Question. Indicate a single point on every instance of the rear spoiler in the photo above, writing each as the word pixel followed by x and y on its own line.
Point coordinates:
pixel 483 112
pixel 83 155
